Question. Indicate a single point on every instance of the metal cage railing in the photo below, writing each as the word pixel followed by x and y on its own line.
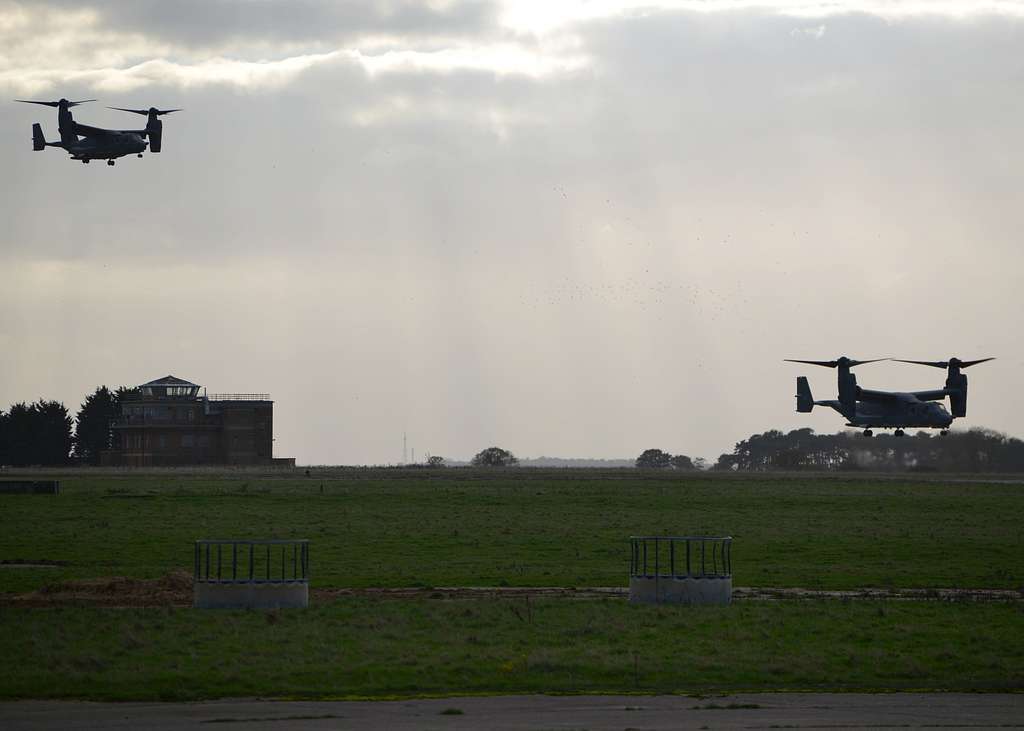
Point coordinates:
pixel 695 557
pixel 252 562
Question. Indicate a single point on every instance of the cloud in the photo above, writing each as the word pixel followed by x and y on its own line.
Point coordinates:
pixel 46 50
pixel 216 24
pixel 543 16
pixel 817 33
pixel 160 72
pixel 110 46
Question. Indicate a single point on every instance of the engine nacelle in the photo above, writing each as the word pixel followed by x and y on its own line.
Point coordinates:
pixel 848 391
pixel 804 399
pixel 956 385
pixel 155 131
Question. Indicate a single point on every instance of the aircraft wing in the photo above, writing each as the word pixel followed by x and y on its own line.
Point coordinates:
pixel 936 395
pixel 890 396
pixel 865 394
pixel 87 131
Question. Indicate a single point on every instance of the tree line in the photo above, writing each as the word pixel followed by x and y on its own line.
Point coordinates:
pixel 44 434
pixel 976 450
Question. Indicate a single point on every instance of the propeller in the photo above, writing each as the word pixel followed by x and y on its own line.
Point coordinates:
pixel 842 361
pixel 952 362
pixel 57 103
pixel 146 112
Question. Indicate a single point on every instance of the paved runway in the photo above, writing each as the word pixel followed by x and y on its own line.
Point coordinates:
pixel 517 713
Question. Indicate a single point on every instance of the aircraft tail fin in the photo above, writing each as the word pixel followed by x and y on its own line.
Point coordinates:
pixel 804 400
pixel 38 141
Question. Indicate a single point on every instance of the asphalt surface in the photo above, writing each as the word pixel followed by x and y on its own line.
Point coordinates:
pixel 517 713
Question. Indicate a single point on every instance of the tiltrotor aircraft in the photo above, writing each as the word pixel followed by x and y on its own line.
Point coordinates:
pixel 97 143
pixel 869 410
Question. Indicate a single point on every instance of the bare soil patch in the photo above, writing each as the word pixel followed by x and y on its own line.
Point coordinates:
pixel 175 590
pixel 31 563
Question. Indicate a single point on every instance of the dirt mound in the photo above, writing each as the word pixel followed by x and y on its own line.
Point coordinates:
pixel 173 589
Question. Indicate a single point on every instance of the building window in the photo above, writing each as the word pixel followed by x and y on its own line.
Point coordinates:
pixel 204 440
pixel 162 441
pixel 186 440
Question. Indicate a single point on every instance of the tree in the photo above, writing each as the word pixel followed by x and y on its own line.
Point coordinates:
pixel 435 460
pixel 682 462
pixel 53 433
pixel 977 450
pixel 654 459
pixel 92 429
pixel 4 443
pixel 39 434
pixel 494 457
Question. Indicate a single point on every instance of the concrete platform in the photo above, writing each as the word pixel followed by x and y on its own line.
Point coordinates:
pixel 250 595
pixel 679 590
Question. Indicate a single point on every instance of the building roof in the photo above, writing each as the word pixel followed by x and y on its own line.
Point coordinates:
pixel 170 381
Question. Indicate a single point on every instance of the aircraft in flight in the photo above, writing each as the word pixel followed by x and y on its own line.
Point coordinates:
pixel 869 409
pixel 86 143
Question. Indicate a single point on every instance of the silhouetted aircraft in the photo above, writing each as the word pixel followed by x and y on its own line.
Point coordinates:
pixel 87 143
pixel 869 409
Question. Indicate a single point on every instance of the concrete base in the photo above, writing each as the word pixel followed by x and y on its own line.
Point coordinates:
pixel 679 590
pixel 208 595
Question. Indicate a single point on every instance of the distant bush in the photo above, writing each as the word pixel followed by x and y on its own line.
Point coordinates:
pixel 494 457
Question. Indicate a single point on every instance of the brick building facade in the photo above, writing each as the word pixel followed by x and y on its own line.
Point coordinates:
pixel 167 422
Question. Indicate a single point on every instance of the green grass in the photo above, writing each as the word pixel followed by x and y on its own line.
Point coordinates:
pixel 524 527
pixel 360 647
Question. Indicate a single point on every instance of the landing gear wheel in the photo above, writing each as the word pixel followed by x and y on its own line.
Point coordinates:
pixel 868 433
pixel 85 162
pixel 898 433
pixel 140 154
pixel 110 162
pixel 944 433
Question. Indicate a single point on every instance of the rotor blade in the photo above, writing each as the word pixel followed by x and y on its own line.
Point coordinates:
pixel 862 362
pixel 154 110
pixel 932 363
pixel 825 363
pixel 56 103
pixel 968 363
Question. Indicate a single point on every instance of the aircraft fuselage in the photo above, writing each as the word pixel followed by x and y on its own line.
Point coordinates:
pixel 900 414
pixel 107 147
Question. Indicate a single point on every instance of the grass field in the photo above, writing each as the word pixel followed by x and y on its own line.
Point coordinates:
pixel 360 647
pixel 459 527
pixel 394 528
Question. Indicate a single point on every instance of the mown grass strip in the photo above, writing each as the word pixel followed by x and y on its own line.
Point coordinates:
pixel 526 527
pixel 402 648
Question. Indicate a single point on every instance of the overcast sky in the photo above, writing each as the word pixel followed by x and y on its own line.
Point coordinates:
pixel 565 228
